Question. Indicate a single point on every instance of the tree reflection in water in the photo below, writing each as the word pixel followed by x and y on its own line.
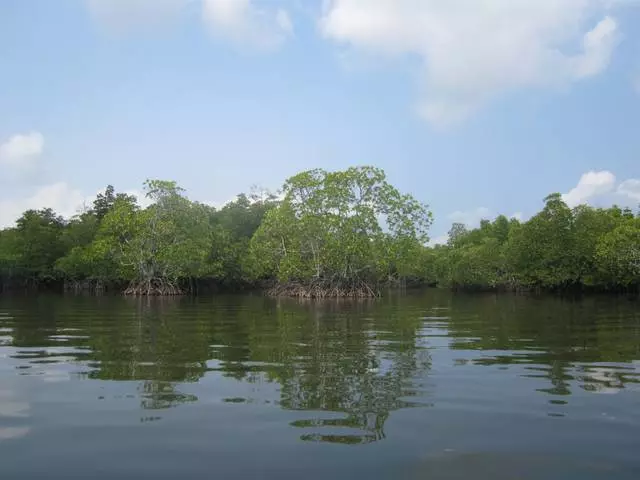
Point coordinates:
pixel 332 357
pixel 339 367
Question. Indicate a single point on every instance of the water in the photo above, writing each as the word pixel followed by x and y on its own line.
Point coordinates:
pixel 427 385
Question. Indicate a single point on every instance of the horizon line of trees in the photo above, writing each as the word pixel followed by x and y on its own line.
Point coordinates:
pixel 343 233
pixel 559 248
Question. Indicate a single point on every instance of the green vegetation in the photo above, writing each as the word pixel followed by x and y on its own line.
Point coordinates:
pixel 326 238
pixel 345 233
pixel 557 249
pixel 173 246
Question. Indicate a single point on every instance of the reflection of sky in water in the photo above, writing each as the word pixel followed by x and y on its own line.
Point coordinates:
pixel 13 411
pixel 610 379
pixel 327 377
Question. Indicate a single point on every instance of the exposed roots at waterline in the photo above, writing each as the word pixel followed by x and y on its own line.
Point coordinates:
pixel 84 286
pixel 154 287
pixel 323 289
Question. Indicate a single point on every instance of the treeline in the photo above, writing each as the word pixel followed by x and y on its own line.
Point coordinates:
pixel 345 233
pixel 558 249
pixel 173 246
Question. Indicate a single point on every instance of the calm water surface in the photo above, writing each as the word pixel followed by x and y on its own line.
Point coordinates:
pixel 428 385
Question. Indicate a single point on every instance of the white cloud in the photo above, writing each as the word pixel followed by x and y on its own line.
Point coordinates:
pixel 471 218
pixel 65 200
pixel 141 199
pixel 219 204
pixel 600 188
pixel 473 50
pixel 7 433
pixel 598 45
pixel 630 188
pixel 60 197
pixel 22 150
pixel 247 23
pixel 591 185
pixel 243 23
pixel 439 240
pixel 283 20
pixel 123 15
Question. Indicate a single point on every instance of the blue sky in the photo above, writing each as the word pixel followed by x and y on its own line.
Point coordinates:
pixel 475 107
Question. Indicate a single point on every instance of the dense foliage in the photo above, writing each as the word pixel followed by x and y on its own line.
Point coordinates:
pixel 339 234
pixel 557 249
pixel 345 233
pixel 173 246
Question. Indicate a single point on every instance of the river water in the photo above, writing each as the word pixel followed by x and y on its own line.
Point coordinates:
pixel 424 385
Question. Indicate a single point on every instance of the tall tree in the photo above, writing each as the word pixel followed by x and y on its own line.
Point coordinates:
pixel 104 202
pixel 542 252
pixel 39 244
pixel 338 233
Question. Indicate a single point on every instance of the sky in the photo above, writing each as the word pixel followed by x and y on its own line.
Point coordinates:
pixel 476 107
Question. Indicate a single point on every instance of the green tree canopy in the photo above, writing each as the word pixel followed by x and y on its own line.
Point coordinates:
pixel 338 232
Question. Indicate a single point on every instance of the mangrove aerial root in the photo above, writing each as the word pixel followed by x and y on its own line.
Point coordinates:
pixel 155 287
pixel 323 289
pixel 82 286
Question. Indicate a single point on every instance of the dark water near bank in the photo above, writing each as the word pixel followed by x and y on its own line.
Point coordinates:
pixel 423 386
